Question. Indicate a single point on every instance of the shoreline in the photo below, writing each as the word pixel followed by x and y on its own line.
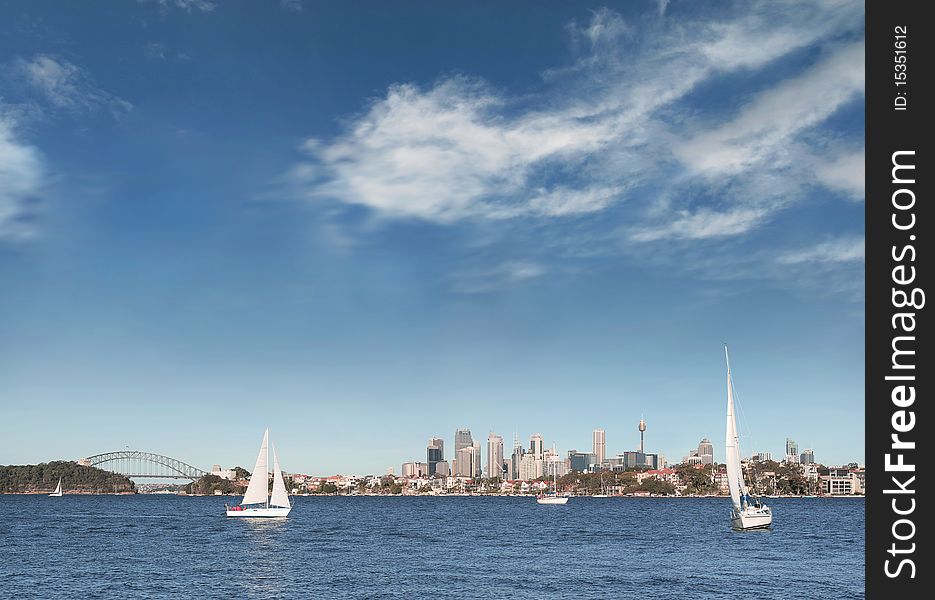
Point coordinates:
pixel 424 496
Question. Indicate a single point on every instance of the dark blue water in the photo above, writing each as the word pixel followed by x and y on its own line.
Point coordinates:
pixel 483 547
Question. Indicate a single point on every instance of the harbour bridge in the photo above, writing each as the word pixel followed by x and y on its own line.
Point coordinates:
pixel 134 463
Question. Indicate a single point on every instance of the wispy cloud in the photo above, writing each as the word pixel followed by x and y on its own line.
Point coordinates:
pixel 844 172
pixel 63 86
pixel 155 51
pixel 701 224
pixel 187 5
pixel 449 153
pixel 462 149
pixel 21 181
pixel 619 129
pixel 496 278
pixel 766 128
pixel 850 249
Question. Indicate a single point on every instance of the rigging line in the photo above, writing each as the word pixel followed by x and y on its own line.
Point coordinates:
pixel 748 436
pixel 746 432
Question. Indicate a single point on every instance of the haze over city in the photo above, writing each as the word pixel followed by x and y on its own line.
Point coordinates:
pixel 294 215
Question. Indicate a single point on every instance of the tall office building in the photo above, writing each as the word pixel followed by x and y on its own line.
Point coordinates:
pixel 415 469
pixel 435 453
pixel 463 439
pixel 581 461
pixel 553 465
pixel 599 446
pixel 518 453
pixel 808 457
pixel 466 461
pixel 792 452
pixel 494 456
pixel 630 460
pixel 530 467
pixel 706 451
pixel 536 446
pixel 477 454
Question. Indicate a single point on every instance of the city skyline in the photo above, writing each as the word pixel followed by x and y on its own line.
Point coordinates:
pixel 549 223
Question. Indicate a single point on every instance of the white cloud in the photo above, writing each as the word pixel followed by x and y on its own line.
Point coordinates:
pixel 189 5
pixel 765 128
pixel 702 224
pixel 461 149
pixel 449 153
pixel 21 180
pixel 849 249
pixel 64 85
pixel 844 172
pixel 615 131
pixel 155 51
pixel 505 275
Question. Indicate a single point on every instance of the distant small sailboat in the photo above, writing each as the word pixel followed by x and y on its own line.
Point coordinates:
pixel 58 490
pixel 257 491
pixel 603 493
pixel 747 512
pixel 552 497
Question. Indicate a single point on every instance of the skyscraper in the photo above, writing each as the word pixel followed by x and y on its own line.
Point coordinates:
pixel 494 456
pixel 706 451
pixel 536 446
pixel 435 453
pixel 599 447
pixel 477 454
pixel 463 438
pixel 517 456
pixel 580 461
pixel 808 457
pixel 466 461
pixel 530 467
pixel 792 451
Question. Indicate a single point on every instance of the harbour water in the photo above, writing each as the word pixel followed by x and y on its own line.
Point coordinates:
pixel 149 546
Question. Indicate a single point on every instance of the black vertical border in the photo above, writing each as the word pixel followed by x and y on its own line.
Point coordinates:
pixel 887 131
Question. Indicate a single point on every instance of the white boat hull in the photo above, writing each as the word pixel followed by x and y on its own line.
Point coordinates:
pixel 552 500
pixel 751 518
pixel 261 512
pixel 55 495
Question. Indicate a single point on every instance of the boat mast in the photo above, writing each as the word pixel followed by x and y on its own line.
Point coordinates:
pixel 267 469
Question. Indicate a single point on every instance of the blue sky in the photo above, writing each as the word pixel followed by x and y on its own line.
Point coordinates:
pixel 367 225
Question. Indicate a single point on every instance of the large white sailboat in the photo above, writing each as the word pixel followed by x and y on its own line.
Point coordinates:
pixel 256 501
pixel 58 490
pixel 552 497
pixel 747 512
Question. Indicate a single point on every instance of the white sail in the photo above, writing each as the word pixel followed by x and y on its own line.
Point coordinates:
pixel 734 471
pixel 280 495
pixel 58 489
pixel 258 490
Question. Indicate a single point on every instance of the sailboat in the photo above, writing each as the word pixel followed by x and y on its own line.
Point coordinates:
pixel 747 511
pixel 552 497
pixel 603 493
pixel 58 490
pixel 256 501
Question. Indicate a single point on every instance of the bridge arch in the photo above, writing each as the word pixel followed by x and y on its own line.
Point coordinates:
pixel 135 463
